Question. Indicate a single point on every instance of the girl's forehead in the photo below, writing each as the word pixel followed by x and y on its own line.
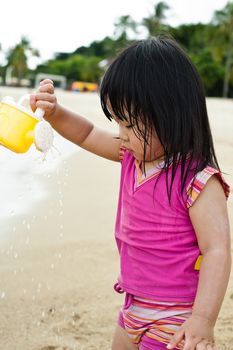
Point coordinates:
pixel 120 121
pixel 116 117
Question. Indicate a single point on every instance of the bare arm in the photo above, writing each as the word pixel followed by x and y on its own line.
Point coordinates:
pixel 82 132
pixel 73 127
pixel 210 221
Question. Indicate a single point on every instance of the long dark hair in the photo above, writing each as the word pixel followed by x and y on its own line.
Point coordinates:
pixel 155 81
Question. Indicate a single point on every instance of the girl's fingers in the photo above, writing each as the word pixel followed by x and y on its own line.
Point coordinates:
pixel 46 88
pixel 44 96
pixel 201 346
pixel 188 345
pixel 45 105
pixel 46 81
pixel 33 101
pixel 176 339
pixel 204 345
pixel 211 347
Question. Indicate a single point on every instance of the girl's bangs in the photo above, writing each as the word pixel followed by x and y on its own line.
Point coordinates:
pixel 118 93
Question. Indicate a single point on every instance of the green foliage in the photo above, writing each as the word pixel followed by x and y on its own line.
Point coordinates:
pixel 191 36
pixel 103 48
pixel 76 67
pixel 123 25
pixel 155 22
pixel 224 21
pixel 211 71
pixel 18 55
pixel 198 40
pixel 210 46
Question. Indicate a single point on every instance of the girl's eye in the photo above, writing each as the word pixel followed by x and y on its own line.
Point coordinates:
pixel 129 126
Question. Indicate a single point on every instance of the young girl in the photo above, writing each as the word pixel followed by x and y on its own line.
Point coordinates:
pixel 172 227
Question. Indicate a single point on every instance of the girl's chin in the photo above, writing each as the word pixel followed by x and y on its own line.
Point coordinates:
pixel 131 151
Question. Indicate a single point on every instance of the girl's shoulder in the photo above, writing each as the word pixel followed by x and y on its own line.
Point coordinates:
pixel 199 181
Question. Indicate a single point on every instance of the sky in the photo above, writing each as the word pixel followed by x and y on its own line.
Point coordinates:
pixel 62 26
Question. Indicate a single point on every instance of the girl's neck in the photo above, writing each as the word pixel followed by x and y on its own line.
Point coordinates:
pixel 152 164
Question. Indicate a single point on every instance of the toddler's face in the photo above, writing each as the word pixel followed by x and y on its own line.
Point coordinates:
pixel 135 144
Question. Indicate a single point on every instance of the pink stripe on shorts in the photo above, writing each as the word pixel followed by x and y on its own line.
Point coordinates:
pixel 150 323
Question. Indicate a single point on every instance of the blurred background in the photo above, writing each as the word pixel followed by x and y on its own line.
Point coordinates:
pixel 76 41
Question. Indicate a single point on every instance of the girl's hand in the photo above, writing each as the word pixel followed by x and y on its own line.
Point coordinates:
pixel 44 98
pixel 195 333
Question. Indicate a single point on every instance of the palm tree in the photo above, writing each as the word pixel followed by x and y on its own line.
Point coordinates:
pixel 123 25
pixel 154 23
pixel 224 20
pixel 18 55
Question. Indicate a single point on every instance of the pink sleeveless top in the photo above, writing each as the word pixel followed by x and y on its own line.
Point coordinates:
pixel 157 243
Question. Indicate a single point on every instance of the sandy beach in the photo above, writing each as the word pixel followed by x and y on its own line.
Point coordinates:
pixel 58 260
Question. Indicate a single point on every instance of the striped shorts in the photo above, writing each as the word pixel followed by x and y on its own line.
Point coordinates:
pixel 150 324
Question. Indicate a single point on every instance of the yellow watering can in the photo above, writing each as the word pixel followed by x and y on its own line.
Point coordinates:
pixel 20 127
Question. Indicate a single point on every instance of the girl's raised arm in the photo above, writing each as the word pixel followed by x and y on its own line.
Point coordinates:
pixel 73 127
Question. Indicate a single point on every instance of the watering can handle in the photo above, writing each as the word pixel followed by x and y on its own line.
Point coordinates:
pixel 39 113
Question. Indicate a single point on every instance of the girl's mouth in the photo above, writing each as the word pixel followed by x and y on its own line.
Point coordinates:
pixel 124 147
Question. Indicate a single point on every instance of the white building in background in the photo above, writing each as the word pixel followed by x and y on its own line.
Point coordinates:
pixel 56 78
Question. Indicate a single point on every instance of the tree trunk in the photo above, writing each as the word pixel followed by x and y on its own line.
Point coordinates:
pixel 227 72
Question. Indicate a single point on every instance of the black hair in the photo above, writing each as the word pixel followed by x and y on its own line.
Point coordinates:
pixel 155 81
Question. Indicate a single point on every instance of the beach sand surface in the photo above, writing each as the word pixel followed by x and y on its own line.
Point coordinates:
pixel 59 261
